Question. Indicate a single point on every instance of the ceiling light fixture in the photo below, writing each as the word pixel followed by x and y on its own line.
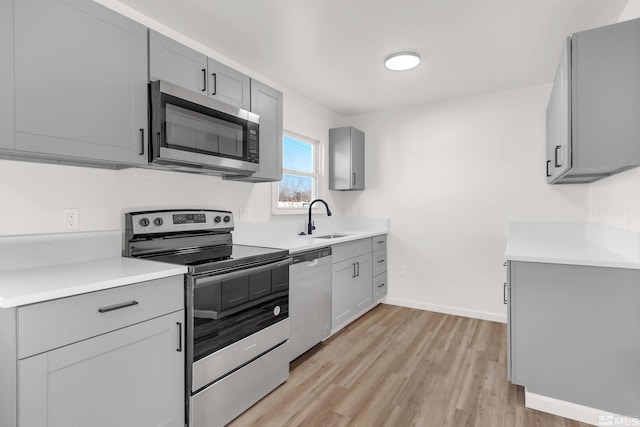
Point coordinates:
pixel 402 61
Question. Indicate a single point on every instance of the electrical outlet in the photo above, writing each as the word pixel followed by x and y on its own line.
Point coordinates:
pixel 71 219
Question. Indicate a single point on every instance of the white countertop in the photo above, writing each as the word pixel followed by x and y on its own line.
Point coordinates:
pixel 285 234
pixel 574 243
pixel 32 285
pixel 37 268
pixel 297 244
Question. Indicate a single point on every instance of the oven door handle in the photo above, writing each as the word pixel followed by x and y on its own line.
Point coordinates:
pixel 204 281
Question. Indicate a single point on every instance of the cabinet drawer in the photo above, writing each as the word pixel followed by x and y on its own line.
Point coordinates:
pixel 379 262
pixel 379 242
pixel 56 323
pixel 379 286
pixel 343 251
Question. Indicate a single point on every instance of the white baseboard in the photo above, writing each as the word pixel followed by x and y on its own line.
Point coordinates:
pixel 474 314
pixel 576 412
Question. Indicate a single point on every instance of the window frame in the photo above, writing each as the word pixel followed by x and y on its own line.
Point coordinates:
pixel 316 176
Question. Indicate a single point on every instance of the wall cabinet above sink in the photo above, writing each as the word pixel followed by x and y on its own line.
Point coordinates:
pixel 593 129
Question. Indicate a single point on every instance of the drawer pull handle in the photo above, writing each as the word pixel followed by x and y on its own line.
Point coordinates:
pixel 236 299
pixel 380 261
pixel 179 349
pixel 381 285
pixel 380 242
pixel 117 306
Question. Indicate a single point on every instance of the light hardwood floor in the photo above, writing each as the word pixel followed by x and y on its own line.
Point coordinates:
pixel 399 367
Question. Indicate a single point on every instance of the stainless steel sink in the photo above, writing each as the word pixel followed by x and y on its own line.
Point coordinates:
pixel 330 236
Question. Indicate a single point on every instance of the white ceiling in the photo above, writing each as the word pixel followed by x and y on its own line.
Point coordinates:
pixel 333 50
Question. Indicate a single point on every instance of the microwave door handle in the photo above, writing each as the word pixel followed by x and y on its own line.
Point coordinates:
pixel 240 273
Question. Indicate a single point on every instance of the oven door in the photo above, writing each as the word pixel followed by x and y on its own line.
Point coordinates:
pixel 192 130
pixel 235 317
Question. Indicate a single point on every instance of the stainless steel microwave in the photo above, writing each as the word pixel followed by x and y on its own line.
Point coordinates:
pixel 191 132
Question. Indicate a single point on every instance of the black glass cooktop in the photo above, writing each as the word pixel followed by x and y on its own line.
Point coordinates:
pixel 220 257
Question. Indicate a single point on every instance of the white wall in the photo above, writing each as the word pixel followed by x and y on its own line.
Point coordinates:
pixel 615 200
pixel 33 195
pixel 451 176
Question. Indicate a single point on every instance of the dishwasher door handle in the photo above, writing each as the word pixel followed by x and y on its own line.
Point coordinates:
pixel 313 263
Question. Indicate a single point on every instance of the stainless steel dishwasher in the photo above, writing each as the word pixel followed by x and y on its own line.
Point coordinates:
pixel 309 300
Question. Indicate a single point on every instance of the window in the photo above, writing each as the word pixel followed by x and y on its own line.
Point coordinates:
pixel 299 185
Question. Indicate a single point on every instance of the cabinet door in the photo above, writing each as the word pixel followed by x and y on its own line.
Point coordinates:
pixel 7 135
pixel 363 284
pixel 342 292
pixel 559 119
pixel 228 85
pixel 130 377
pixel 357 159
pixel 267 102
pixel 176 63
pixel 606 97
pixel 80 82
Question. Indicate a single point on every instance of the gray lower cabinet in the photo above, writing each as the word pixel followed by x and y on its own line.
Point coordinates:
pixel 354 288
pixel 178 64
pixel 379 244
pixel 106 358
pixel 592 121
pixel 346 159
pixel 80 83
pixel 574 333
pixel 128 377
pixel 267 102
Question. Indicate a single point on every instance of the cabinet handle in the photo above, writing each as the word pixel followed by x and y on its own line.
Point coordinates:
pixel 380 261
pixel 380 242
pixel 358 269
pixel 504 292
pixel 548 163
pixel 353 178
pixel 117 306
pixel 141 142
pixel 236 299
pixel 381 285
pixel 354 270
pixel 555 161
pixel 204 79
pixel 179 349
pixel 215 84
pixel 504 264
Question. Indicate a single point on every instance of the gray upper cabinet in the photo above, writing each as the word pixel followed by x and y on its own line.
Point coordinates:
pixel 178 64
pixel 228 85
pixel 80 83
pixel 267 102
pixel 7 136
pixel 593 129
pixel 559 119
pixel 346 159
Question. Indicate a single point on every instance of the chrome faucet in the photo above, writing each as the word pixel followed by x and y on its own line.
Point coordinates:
pixel 310 225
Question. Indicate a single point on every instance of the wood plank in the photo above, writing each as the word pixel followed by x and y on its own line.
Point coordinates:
pixel 398 366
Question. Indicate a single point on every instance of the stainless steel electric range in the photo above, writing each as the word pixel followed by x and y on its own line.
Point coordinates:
pixel 237 308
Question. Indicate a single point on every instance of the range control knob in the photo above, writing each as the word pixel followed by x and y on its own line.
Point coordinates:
pixel 158 221
pixel 217 219
pixel 144 222
pixel 227 218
